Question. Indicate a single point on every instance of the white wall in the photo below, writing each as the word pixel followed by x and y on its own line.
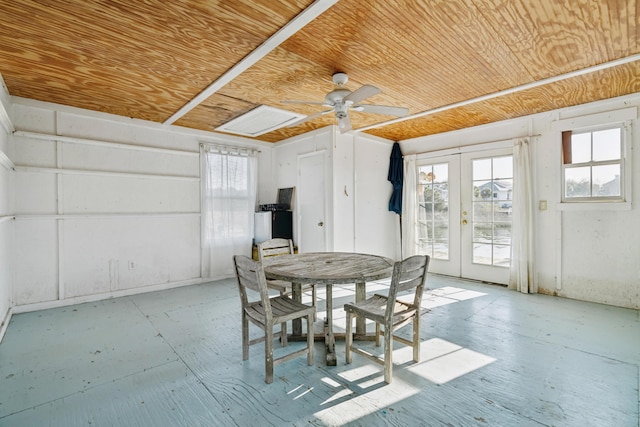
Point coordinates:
pixel 6 222
pixel 586 254
pixel 95 220
pixel 358 190
pixel 377 230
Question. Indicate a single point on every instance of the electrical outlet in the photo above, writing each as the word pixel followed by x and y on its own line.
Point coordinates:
pixel 132 265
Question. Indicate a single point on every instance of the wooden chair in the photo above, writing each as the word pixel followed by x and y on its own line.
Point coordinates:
pixel 391 313
pixel 267 312
pixel 275 247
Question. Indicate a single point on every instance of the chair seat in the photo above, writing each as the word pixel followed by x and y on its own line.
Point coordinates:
pixel 283 309
pixel 374 308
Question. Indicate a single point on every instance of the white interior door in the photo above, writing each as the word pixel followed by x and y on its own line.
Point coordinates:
pixel 464 214
pixel 311 199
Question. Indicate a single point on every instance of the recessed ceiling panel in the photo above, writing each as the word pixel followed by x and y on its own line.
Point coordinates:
pixel 258 121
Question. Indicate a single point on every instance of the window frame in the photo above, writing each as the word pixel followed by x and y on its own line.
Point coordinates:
pixel 591 164
pixel 624 118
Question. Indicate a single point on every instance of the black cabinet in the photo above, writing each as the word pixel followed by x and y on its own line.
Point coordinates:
pixel 282 224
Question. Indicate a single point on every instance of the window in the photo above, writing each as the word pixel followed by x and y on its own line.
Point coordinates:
pixel 228 202
pixel 593 165
pixel 433 213
pixel 491 210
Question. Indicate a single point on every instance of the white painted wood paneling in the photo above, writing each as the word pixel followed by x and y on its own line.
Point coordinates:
pixel 35 261
pixel 129 261
pixel 100 158
pixel 34 152
pixel 103 194
pixel 34 193
pixel 344 196
pixel 105 204
pixel 377 230
pixel 6 210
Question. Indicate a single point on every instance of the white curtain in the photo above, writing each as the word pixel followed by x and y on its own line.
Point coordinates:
pixel 409 207
pixel 522 277
pixel 229 183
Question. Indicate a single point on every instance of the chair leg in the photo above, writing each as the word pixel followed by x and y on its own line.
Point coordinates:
pixel 416 339
pixel 245 337
pixel 268 354
pixel 313 301
pixel 388 355
pixel 348 337
pixel 283 326
pixel 310 339
pixel 377 334
pixel 283 334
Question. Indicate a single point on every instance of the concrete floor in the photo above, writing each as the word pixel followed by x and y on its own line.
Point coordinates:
pixel 490 357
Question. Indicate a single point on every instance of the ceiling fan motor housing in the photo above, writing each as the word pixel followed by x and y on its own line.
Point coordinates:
pixel 336 96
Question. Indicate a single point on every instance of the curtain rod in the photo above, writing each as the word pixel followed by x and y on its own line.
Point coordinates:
pixel 229 149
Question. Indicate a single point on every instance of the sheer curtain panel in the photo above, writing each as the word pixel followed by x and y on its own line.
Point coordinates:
pixel 229 183
pixel 409 207
pixel 522 274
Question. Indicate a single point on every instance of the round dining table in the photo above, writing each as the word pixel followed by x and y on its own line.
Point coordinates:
pixel 328 269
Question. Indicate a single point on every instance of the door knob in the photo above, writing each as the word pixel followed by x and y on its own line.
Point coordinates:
pixel 320 224
pixel 464 222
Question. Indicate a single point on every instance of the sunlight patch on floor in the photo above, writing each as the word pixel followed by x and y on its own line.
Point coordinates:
pixel 341 391
pixel 359 406
pixel 442 361
pixel 447 295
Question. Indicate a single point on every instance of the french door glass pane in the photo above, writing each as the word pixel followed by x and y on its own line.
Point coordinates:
pixel 433 207
pixel 492 182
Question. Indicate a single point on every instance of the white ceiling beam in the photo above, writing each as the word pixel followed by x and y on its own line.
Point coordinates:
pixel 576 73
pixel 292 27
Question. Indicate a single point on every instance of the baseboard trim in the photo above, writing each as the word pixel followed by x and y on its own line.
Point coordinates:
pixel 5 322
pixel 104 296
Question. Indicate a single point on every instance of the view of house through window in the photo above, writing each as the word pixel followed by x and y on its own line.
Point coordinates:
pixel 433 210
pixel 492 210
pixel 592 165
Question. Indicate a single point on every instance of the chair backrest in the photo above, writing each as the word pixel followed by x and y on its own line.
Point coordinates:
pixel 408 275
pixel 275 247
pixel 250 275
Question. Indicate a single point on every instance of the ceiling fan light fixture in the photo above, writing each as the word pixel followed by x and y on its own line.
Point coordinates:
pixel 341 100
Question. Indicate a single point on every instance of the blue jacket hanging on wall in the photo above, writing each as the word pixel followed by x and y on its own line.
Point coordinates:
pixel 396 177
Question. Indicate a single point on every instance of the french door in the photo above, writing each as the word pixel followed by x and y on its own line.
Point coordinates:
pixel 464 214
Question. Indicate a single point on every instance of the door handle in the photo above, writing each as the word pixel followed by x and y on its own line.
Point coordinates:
pixel 320 224
pixel 464 222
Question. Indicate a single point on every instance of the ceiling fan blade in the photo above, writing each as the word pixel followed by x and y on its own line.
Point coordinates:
pixel 382 109
pixel 309 117
pixel 362 93
pixel 344 124
pixel 301 102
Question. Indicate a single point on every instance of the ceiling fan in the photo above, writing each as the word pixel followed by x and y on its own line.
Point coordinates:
pixel 341 100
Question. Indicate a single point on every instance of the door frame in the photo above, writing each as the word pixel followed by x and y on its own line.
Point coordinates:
pixel 492 274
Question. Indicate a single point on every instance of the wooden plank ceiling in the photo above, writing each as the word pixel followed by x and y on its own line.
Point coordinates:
pixel 148 59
